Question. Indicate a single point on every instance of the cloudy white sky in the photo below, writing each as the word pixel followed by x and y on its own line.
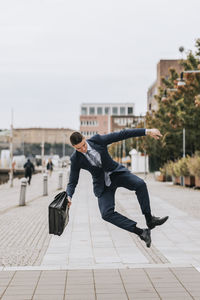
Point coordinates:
pixel 56 54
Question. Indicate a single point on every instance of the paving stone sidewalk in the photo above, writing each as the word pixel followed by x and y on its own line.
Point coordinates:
pixel 117 284
pixel 105 245
pixel 24 234
pixel 94 259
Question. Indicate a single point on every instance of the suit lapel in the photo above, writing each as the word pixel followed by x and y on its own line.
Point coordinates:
pixel 81 157
pixel 97 147
pixel 83 161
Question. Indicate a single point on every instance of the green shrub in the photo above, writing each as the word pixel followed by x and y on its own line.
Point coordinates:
pixel 176 169
pixel 194 165
pixel 184 166
pixel 170 168
pixel 163 170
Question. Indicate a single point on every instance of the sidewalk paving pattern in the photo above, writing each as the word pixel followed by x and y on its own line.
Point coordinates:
pixel 93 259
pixel 114 284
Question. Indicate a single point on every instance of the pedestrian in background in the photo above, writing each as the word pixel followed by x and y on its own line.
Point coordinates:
pixel 50 166
pixel 29 169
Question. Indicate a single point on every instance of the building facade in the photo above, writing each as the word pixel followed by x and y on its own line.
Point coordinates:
pixel 38 136
pixel 103 118
pixel 163 67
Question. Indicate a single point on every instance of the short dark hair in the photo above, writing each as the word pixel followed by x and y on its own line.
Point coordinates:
pixel 76 138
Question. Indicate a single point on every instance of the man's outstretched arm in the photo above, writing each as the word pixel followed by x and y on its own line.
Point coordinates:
pixel 120 135
pixel 126 134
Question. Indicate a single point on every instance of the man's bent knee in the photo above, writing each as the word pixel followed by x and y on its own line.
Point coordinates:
pixel 141 184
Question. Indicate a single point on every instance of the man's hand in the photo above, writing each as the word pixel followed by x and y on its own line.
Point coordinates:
pixel 69 201
pixel 154 132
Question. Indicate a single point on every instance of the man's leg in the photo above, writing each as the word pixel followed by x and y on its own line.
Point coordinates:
pixel 134 183
pixel 107 205
pixel 29 179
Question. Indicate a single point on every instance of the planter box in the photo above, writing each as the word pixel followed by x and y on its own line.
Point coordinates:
pixel 197 181
pixel 189 181
pixel 161 178
pixel 168 178
pixel 177 180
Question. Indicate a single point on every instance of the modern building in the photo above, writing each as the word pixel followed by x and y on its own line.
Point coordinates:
pixel 163 67
pixel 103 118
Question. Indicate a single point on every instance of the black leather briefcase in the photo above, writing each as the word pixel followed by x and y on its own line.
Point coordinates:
pixel 58 214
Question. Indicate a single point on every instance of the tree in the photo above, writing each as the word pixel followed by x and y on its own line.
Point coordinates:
pixel 180 109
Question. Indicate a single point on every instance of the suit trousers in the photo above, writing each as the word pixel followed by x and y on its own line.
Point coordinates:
pixel 107 200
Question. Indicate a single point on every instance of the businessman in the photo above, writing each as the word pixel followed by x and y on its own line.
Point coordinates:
pixel 92 155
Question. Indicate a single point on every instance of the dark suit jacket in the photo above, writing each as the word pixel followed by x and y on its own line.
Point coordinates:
pixel 99 143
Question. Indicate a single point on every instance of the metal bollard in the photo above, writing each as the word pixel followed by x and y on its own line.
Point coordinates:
pixel 45 184
pixel 60 180
pixel 22 198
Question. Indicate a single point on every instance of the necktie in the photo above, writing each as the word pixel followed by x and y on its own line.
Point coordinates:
pixel 94 159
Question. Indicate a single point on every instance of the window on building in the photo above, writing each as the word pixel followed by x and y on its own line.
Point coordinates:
pixel 83 110
pixel 107 110
pixel 115 110
pixel 91 110
pixel 122 110
pixel 130 121
pixel 99 111
pixel 130 110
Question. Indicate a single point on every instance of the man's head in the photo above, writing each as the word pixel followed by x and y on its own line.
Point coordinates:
pixel 78 142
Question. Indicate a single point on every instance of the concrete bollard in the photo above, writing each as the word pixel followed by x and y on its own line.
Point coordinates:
pixel 68 173
pixel 45 184
pixel 22 198
pixel 60 180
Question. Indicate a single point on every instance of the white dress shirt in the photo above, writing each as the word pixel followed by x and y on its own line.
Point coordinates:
pixel 97 162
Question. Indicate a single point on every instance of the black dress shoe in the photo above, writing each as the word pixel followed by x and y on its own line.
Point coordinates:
pixel 146 236
pixel 156 221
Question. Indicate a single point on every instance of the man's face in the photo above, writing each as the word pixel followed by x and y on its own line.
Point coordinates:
pixel 81 147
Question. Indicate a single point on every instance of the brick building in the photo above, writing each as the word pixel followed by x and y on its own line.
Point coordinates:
pixel 163 67
pixel 103 118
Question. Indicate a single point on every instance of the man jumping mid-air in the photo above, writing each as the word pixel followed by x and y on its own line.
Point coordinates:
pixel 108 175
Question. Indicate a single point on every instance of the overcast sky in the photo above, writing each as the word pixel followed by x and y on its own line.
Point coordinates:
pixel 56 54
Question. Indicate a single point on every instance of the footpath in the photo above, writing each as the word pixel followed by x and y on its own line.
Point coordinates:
pixel 92 259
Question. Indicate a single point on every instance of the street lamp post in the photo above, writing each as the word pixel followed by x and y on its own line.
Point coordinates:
pixel 42 152
pixel 64 139
pixel 145 153
pixel 11 150
pixel 183 142
pixel 109 120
